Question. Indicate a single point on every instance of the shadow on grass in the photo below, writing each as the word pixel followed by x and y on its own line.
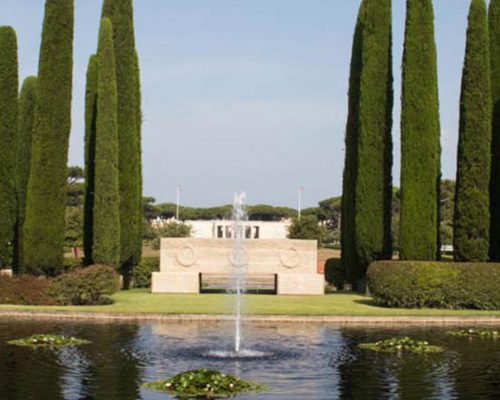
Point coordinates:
pixel 370 302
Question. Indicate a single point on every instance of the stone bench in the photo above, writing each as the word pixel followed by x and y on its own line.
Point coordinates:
pixel 253 283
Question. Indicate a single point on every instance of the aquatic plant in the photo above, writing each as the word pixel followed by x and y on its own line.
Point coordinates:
pixel 204 383
pixel 401 345
pixel 476 332
pixel 45 340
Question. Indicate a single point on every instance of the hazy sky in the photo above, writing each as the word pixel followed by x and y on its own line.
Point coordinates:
pixel 246 94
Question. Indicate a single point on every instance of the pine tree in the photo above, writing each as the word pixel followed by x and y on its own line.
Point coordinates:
pixel 9 85
pixel 27 100
pixel 348 191
pixel 120 12
pixel 420 131
pixel 371 168
pixel 472 216
pixel 90 142
pixel 106 212
pixel 494 31
pixel 45 207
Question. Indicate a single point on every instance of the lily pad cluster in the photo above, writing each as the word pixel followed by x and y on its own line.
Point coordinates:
pixel 401 345
pixel 43 340
pixel 477 332
pixel 204 383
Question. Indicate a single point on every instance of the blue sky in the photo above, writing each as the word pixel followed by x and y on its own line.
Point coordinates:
pixel 246 94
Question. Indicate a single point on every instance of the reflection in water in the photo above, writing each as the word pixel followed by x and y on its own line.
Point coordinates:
pixel 298 361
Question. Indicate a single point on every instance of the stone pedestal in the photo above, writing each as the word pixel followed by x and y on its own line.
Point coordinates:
pixel 301 284
pixel 175 282
pixel 293 261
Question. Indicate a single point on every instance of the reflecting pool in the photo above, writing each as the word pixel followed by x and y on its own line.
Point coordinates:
pixel 297 361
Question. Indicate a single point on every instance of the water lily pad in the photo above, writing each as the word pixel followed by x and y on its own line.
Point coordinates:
pixel 477 333
pixel 401 345
pixel 49 341
pixel 204 383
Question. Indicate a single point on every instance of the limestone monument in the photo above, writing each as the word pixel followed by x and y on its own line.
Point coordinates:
pixel 185 260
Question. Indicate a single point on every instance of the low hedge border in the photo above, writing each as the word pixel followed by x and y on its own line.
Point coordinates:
pixel 449 285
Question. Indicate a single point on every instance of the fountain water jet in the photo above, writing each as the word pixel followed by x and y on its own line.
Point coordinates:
pixel 239 262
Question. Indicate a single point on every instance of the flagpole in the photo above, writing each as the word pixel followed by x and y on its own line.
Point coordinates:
pixel 178 201
pixel 300 201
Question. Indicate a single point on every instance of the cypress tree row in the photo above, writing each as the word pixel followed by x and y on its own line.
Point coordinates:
pixel 106 221
pixel 472 216
pixel 494 31
pixel 90 142
pixel 138 105
pixel 420 131
pixel 45 206
pixel 9 85
pixel 120 12
pixel 27 100
pixel 371 173
pixel 348 191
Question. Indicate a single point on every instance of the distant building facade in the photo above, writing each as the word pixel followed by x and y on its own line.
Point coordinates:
pixel 223 229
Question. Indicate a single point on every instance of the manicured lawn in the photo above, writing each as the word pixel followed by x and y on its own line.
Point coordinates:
pixel 341 304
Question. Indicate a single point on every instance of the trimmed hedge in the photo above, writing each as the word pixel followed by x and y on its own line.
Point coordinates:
pixel 142 272
pixel 25 290
pixel 335 273
pixel 433 284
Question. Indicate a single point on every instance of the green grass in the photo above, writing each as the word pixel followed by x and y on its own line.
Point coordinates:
pixel 336 304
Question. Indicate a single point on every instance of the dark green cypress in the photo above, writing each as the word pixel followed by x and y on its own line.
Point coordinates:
pixel 9 86
pixel 372 168
pixel 90 140
pixel 494 31
pixel 106 218
pixel 348 192
pixel 420 132
pixel 472 216
pixel 120 12
pixel 46 198
pixel 139 213
pixel 27 100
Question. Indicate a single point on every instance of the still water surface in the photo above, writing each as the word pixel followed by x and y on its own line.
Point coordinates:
pixel 302 361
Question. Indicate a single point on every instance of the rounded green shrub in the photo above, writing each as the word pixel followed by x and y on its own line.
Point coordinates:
pixel 86 286
pixel 433 284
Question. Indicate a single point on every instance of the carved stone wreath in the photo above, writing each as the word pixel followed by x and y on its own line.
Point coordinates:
pixel 238 258
pixel 290 258
pixel 186 256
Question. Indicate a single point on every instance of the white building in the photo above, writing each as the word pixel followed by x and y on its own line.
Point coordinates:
pixel 223 229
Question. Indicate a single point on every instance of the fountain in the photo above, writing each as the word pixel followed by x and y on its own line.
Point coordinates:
pixel 239 262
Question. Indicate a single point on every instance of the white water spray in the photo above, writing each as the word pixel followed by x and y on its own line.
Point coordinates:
pixel 239 262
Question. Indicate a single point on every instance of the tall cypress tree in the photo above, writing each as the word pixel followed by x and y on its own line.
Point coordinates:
pixel 120 12
pixel 348 191
pixel 420 131
pixel 106 222
pixel 371 173
pixel 472 216
pixel 9 85
pixel 90 142
pixel 494 31
pixel 27 100
pixel 44 225
pixel 139 213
